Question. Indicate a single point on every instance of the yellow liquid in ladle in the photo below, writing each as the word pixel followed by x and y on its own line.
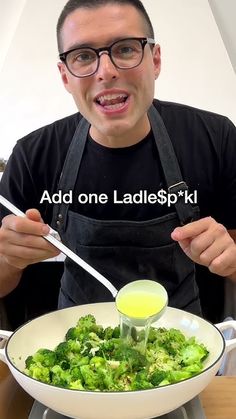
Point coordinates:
pixel 140 304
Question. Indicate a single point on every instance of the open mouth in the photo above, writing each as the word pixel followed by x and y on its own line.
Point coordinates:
pixel 112 101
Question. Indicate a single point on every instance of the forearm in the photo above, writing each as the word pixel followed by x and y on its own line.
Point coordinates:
pixel 22 244
pixel 9 277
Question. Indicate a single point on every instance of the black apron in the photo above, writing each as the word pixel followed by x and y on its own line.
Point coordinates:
pixel 124 251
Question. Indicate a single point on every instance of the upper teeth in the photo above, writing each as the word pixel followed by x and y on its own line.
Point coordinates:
pixel 104 98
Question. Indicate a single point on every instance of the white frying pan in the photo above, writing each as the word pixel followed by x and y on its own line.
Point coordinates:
pixel 48 330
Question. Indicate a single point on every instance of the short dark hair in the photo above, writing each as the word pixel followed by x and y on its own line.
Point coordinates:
pixel 73 5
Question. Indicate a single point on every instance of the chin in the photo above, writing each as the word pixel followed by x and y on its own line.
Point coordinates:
pixel 115 129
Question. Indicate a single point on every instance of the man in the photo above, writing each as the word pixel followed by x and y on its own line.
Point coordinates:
pixel 132 175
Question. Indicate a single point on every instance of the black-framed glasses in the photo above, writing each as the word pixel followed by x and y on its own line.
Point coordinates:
pixel 125 54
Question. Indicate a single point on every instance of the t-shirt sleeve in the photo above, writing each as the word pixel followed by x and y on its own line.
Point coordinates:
pixel 227 195
pixel 16 183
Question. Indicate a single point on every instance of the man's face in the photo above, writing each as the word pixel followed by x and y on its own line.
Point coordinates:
pixel 126 123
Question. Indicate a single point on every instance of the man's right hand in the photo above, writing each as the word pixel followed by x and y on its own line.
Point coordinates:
pixel 21 241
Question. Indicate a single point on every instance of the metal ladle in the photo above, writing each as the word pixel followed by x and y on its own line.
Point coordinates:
pixel 54 238
pixel 143 286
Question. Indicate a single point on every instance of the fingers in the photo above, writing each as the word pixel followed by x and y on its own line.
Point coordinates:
pixel 208 243
pixel 21 241
pixel 21 258
pixel 221 266
pixel 34 215
pixel 25 225
pixel 192 229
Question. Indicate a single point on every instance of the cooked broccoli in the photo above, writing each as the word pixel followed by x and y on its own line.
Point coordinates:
pixel 141 381
pixel 38 365
pixel 39 372
pixel 135 359
pixel 42 356
pixel 73 333
pixel 67 350
pixel 193 353
pixel 157 377
pixel 91 378
pixel 86 322
pixel 60 377
pixel 97 359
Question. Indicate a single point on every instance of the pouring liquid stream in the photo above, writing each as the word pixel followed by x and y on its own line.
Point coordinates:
pixel 138 310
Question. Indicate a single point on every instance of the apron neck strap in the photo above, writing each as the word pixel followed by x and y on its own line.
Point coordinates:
pixel 70 172
pixel 170 166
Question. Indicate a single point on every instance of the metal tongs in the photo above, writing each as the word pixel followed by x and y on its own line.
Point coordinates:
pixel 54 238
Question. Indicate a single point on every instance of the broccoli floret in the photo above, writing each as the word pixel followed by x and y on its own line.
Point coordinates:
pixel 60 377
pixel 157 377
pixel 193 353
pixel 67 350
pixel 75 374
pixel 84 326
pixel 106 377
pixel 134 358
pixel 175 341
pixel 62 351
pixel 79 360
pixel 76 385
pixel 73 333
pixel 91 379
pixel 175 376
pixel 116 332
pixel 39 372
pixel 107 347
pixel 38 365
pixel 122 368
pixel 194 368
pixel 65 364
pixel 171 340
pixel 97 362
pixel 29 361
pixel 108 333
pixel 86 322
pixel 153 334
pixel 45 357
pixel 141 381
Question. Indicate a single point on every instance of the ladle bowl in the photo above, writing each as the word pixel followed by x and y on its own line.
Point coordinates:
pixel 151 295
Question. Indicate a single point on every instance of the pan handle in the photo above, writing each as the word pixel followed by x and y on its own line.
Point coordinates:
pixel 4 335
pixel 228 324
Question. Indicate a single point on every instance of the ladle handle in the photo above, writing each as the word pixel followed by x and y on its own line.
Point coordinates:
pixel 51 237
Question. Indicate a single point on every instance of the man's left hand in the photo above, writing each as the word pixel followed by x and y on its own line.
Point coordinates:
pixel 208 243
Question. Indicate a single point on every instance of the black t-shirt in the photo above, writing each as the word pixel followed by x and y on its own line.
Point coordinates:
pixel 204 143
pixel 120 174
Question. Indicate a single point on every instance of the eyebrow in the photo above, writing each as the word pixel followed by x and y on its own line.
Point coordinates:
pixel 94 45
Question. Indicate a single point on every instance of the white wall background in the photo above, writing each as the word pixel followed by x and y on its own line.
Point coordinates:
pixel 225 15
pixel 197 61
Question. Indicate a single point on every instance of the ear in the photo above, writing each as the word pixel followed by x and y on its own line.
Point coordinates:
pixel 157 60
pixel 64 76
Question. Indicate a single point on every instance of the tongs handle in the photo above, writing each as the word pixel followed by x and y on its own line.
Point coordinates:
pixel 52 238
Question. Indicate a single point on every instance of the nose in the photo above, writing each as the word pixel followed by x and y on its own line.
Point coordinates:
pixel 106 70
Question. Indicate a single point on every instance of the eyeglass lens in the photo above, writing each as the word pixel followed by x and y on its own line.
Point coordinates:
pixel 127 53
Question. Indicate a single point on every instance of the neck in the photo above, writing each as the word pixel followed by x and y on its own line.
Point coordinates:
pixel 122 139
